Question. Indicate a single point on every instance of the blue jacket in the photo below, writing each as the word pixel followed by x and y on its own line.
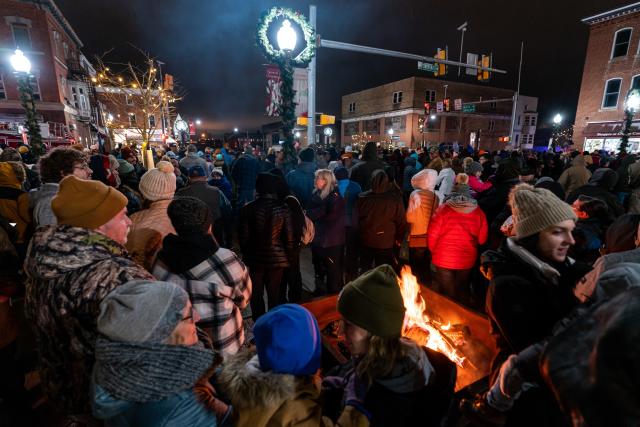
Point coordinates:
pixel 301 182
pixel 244 172
pixel 349 191
pixel 181 410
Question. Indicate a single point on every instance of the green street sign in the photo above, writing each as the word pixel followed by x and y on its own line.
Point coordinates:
pixel 427 66
pixel 469 108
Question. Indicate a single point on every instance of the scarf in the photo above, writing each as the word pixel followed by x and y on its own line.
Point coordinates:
pixel 182 253
pixel 146 372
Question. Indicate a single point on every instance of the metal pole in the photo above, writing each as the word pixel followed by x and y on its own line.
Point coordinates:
pixel 462 28
pixel 161 93
pixel 311 82
pixel 515 98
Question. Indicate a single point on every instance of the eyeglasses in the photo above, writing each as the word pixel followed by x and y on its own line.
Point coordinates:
pixel 191 316
pixel 82 166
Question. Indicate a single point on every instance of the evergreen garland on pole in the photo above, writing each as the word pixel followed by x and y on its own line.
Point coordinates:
pixel 31 118
pixel 624 141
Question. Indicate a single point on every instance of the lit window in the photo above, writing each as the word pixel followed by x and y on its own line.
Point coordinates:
pixel 21 36
pixel 397 97
pixel 611 93
pixel 621 42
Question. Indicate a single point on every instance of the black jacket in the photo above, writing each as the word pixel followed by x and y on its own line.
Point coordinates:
pixel 493 201
pixel 266 232
pixel 379 214
pixel 363 171
pixel 601 186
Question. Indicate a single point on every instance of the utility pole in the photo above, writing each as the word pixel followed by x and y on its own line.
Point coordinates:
pixel 515 99
pixel 311 83
pixel 463 29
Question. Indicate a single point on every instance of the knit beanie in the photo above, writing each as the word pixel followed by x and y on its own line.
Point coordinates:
pixel 86 203
pixel 159 183
pixel 197 171
pixel 307 154
pixel 125 167
pixel 473 168
pixel 373 302
pixel 142 311
pixel 288 341
pixel 189 215
pixel 536 209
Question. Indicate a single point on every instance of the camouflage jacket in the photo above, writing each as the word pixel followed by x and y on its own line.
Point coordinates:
pixel 70 270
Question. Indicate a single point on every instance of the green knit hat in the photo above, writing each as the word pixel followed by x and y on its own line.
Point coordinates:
pixel 373 302
pixel 536 209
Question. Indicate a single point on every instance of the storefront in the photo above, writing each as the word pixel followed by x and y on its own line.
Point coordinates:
pixel 607 136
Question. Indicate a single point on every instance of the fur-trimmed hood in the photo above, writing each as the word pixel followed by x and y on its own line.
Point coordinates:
pixel 247 386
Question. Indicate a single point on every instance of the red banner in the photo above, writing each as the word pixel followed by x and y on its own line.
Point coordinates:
pixel 274 94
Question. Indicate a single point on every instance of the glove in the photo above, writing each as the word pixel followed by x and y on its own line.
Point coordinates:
pixel 355 390
pixel 334 382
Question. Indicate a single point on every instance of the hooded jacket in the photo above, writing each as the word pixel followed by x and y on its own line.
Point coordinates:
pixel 410 170
pixel 40 203
pixel 70 270
pixel 575 176
pixel 301 181
pixel 263 398
pixel 14 202
pixel 380 217
pixel 328 218
pixel 363 171
pixel 445 181
pixel 600 186
pixel 455 232
pixel 423 203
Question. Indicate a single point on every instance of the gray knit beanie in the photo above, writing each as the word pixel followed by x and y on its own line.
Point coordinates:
pixel 142 311
pixel 473 168
pixel 536 209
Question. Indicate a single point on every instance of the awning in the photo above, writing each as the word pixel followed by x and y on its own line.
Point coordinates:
pixel 610 129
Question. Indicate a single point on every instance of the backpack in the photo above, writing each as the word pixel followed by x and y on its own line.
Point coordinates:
pixel 308 232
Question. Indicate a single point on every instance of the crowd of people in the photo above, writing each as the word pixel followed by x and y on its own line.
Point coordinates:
pixel 170 294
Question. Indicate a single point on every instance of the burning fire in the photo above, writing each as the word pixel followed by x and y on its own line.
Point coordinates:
pixel 416 319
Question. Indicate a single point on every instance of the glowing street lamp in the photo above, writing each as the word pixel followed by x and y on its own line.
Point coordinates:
pixel 432 117
pixel 235 130
pixel 390 131
pixel 198 122
pixel 557 119
pixel 286 36
pixel 20 63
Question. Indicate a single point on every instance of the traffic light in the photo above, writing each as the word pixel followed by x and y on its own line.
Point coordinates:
pixel 427 108
pixel 483 74
pixel 447 104
pixel 504 139
pixel 442 68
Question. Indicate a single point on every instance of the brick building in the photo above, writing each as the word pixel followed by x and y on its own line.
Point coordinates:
pixel 611 69
pixel 479 115
pixel 59 72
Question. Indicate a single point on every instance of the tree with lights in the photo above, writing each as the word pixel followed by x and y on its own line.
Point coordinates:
pixel 136 89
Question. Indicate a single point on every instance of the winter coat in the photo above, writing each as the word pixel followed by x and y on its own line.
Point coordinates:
pixel 380 214
pixel 575 176
pixel 206 193
pixel 301 182
pixel 181 409
pixel 634 186
pixel 589 237
pixel 217 282
pixel 587 285
pixel 455 232
pixel 263 399
pixel 40 204
pixel 192 159
pixel 363 171
pixel 423 204
pixel 148 228
pixel 349 191
pixel 244 172
pixel 14 202
pixel 477 185
pixel 445 181
pixel 409 171
pixel 266 232
pixel 493 201
pixel 328 218
pixel 134 198
pixel 527 296
pixel 70 270
pixel 600 186
pixel 221 184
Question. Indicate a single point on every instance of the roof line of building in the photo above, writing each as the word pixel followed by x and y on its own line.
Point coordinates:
pixel 407 111
pixel 57 14
pixel 610 14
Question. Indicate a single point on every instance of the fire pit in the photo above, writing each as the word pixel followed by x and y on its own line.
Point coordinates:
pixel 431 320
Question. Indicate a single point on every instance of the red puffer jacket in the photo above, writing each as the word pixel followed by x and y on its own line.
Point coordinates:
pixel 455 232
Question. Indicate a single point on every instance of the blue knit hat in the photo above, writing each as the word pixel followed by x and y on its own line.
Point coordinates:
pixel 288 341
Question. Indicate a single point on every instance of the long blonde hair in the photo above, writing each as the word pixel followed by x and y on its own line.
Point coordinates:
pixel 381 356
pixel 330 179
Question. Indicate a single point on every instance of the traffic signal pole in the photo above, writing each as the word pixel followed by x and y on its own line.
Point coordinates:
pixel 311 96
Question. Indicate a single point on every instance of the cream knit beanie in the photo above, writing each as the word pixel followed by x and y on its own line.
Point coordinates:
pixel 536 209
pixel 159 183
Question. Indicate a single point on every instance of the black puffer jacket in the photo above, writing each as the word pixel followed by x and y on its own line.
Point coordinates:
pixel 380 214
pixel 363 171
pixel 266 232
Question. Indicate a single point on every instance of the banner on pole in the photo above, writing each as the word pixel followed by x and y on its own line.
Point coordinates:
pixel 301 88
pixel 472 59
pixel 274 93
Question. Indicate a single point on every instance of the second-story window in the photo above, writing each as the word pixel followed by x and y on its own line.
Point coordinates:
pixel 611 93
pixel 352 107
pixel 152 121
pixel 128 99
pixel 35 86
pixel 132 119
pixel 397 97
pixel 621 42
pixel 430 96
pixel 21 36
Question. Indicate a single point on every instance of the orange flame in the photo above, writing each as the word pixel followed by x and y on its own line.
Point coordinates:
pixel 415 317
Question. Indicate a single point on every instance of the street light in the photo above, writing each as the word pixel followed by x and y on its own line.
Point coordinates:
pixel 557 119
pixel 390 131
pixel 631 105
pixel 22 68
pixel 432 117
pixel 286 36
pixel 198 122
pixel 297 135
pixel 235 130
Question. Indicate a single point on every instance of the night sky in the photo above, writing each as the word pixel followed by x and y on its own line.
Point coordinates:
pixel 209 46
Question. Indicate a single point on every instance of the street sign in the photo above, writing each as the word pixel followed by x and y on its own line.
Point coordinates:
pixel 472 59
pixel 457 104
pixel 427 66
pixel 469 108
pixel 440 107
pixel 395 136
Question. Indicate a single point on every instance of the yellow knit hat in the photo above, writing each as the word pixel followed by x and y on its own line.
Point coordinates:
pixel 86 203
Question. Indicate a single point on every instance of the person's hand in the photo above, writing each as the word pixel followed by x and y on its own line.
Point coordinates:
pixel 334 382
pixel 355 390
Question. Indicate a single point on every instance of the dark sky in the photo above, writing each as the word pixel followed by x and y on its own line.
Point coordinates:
pixel 209 46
